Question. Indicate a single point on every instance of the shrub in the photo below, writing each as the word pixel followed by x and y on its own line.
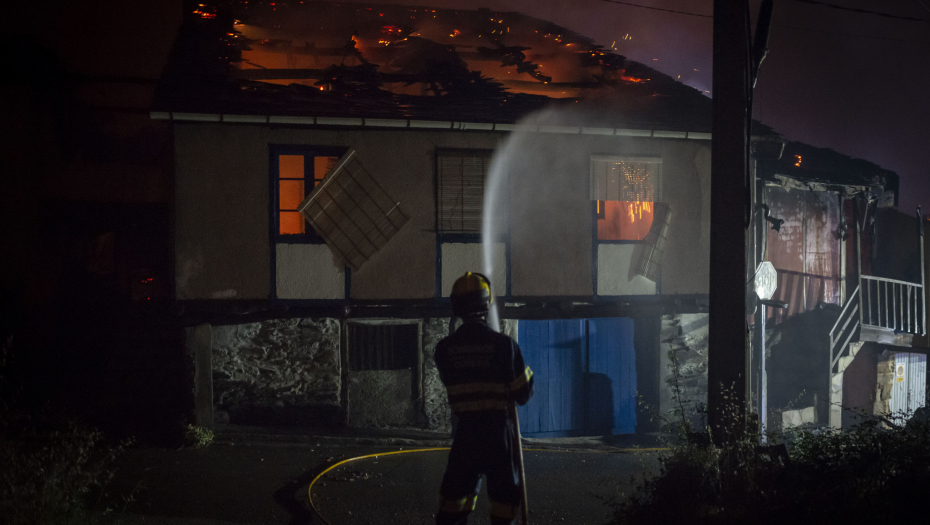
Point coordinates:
pixel 197 436
pixel 821 476
pixel 52 471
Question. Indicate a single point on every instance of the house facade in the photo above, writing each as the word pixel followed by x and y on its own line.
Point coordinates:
pixel 851 274
pixel 356 343
pixel 331 184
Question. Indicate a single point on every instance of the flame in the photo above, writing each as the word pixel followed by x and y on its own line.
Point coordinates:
pixel 637 208
pixel 798 163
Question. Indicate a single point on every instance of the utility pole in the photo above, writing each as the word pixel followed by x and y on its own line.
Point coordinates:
pixel 730 210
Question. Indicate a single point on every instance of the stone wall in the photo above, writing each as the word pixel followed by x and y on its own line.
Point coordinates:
pixel 435 402
pixel 883 383
pixel 684 367
pixel 283 371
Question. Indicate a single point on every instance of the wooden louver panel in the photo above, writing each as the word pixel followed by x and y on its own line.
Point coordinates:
pixel 653 250
pixel 352 212
pixel 461 186
pixel 629 179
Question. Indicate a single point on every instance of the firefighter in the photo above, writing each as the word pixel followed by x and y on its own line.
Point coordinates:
pixel 484 373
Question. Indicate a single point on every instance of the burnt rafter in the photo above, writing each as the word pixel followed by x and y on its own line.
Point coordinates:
pixel 361 79
pixel 508 55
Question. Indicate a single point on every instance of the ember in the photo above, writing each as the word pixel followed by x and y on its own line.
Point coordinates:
pixel 205 11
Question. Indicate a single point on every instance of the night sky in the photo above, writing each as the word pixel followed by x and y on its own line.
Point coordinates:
pixel 850 81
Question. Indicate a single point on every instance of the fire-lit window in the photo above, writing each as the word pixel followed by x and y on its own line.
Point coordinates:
pixel 461 178
pixel 297 171
pixel 624 191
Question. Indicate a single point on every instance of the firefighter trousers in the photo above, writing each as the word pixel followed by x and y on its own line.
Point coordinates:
pixel 482 446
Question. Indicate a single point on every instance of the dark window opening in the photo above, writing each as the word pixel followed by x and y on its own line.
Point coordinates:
pixel 383 346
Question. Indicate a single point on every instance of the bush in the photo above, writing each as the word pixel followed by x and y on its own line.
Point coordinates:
pixel 53 472
pixel 197 436
pixel 816 476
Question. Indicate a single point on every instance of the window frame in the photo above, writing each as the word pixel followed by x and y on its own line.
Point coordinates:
pixel 595 242
pixel 310 237
pixel 594 203
pixel 371 324
pixel 458 237
pixel 307 151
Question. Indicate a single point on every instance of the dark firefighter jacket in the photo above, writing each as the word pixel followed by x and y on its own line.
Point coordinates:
pixel 482 370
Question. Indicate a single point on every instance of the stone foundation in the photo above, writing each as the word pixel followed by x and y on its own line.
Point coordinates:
pixel 278 372
pixel 883 384
pixel 435 403
pixel 684 368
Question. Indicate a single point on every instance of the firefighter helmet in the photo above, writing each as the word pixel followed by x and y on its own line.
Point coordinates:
pixel 471 295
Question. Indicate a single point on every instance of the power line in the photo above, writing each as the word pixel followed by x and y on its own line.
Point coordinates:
pixel 658 8
pixel 851 34
pixel 786 26
pixel 864 11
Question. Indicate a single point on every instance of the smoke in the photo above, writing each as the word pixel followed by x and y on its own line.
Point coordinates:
pixel 537 204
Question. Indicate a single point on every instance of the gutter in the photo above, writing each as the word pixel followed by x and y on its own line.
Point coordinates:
pixel 422 124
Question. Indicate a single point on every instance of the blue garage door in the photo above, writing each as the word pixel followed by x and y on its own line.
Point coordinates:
pixel 584 376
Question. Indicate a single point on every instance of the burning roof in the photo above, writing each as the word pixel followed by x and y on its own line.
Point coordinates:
pixel 334 59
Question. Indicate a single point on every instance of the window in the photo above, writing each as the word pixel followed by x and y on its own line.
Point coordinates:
pixel 383 346
pixel 352 212
pixel 624 191
pixel 297 170
pixel 461 175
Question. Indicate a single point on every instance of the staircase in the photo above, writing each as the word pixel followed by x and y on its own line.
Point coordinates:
pixel 881 310
pixel 845 331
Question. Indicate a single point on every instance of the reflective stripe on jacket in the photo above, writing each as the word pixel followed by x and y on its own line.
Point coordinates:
pixel 482 370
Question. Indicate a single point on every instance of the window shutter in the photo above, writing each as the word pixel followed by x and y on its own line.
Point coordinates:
pixel 653 252
pixel 352 212
pixel 461 184
pixel 632 179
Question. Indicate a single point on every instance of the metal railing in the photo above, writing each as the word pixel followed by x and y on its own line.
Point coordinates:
pixel 892 304
pixel 845 328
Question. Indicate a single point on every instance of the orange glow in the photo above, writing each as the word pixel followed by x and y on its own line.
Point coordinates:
pixel 205 11
pixel 321 167
pixel 624 220
pixel 455 32
pixel 632 79
pixel 291 223
pixel 291 166
pixel 290 194
pixel 798 163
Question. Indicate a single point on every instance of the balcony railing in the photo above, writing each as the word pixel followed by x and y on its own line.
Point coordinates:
pixel 892 304
pixel 845 329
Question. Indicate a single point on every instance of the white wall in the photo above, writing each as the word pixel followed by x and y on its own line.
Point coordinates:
pixel 458 258
pixel 308 271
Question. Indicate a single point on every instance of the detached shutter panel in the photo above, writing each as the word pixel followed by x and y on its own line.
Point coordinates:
pixel 352 212
pixel 461 190
pixel 653 252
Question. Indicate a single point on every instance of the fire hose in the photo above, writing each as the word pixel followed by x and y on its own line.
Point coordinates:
pixel 522 475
